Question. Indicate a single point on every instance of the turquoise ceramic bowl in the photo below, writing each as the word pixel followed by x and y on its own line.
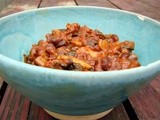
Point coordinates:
pixel 70 92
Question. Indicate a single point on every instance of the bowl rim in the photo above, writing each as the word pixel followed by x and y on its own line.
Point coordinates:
pixel 29 67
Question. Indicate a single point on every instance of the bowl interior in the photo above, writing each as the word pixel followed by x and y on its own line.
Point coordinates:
pixel 18 32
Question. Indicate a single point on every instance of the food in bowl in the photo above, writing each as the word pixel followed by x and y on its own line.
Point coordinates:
pixel 77 93
pixel 80 48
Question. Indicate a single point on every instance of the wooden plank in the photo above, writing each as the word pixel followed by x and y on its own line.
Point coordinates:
pixel 101 3
pixel 49 3
pixel 19 5
pixel 14 106
pixel 118 113
pixel 4 3
pixel 148 8
pixel 146 102
pixel 37 113
pixel 156 84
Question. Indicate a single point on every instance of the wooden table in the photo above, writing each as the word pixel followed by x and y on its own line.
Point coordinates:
pixel 144 105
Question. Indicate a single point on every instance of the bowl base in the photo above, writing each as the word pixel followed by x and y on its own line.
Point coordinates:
pixel 84 117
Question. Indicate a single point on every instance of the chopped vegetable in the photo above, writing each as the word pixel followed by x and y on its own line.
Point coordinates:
pixel 81 48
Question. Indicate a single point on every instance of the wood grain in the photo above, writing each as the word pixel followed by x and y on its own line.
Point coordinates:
pixel 37 113
pixel 19 5
pixel 49 3
pixel 148 8
pixel 118 113
pixel 4 3
pixel 146 102
pixel 14 106
pixel 101 3
pixel 156 84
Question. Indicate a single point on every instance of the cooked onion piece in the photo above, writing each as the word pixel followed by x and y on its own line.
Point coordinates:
pixel 83 49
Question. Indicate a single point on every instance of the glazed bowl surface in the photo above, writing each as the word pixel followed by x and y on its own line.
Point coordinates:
pixel 73 92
